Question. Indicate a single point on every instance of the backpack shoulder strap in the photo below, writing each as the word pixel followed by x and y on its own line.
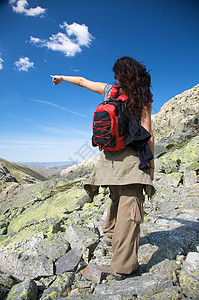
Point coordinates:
pixel 114 92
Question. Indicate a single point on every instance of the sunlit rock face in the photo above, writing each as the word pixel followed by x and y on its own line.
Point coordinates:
pixel 175 114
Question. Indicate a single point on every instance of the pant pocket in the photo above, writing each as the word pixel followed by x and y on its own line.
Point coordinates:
pixel 137 210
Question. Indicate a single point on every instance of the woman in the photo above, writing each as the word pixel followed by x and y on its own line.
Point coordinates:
pixel 120 170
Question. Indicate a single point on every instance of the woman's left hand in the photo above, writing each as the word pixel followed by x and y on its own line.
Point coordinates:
pixel 151 173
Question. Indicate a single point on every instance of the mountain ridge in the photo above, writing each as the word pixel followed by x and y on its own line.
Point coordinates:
pixel 13 173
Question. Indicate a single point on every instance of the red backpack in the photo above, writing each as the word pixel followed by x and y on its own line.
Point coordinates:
pixel 109 123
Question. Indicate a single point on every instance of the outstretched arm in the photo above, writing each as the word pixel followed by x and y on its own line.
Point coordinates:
pixel 97 87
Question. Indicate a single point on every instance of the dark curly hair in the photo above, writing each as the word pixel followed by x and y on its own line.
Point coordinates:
pixel 135 82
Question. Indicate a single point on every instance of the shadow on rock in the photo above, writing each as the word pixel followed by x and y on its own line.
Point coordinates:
pixel 167 244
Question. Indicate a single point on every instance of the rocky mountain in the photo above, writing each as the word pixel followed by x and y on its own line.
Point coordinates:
pixel 12 173
pixel 175 114
pixel 51 239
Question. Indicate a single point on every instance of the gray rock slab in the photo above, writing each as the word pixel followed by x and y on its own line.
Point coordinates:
pixel 47 281
pixel 80 237
pixel 171 243
pixel 92 297
pixel 96 273
pixel 26 290
pixel 102 250
pixel 40 286
pixel 104 261
pixel 53 247
pixel 164 268
pixel 7 281
pixel 59 288
pixel 82 240
pixel 67 262
pixel 189 177
pixel 172 293
pixel 22 266
pixel 189 276
pixel 146 285
pixel 99 273
pixel 145 253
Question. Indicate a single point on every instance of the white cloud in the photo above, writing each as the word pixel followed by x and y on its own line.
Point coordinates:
pixel 23 64
pixel 35 40
pixel 1 63
pixel 59 107
pixel 35 11
pixel 64 131
pixel 20 6
pixel 58 42
pixel 83 37
pixel 69 43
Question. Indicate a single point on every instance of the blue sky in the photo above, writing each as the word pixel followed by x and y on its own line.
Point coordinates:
pixel 43 122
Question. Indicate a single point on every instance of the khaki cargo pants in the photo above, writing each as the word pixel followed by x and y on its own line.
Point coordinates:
pixel 122 228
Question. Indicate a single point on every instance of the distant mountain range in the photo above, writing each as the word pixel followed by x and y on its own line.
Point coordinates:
pixel 47 168
pixel 44 165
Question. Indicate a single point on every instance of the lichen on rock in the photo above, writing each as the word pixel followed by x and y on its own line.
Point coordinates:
pixel 26 290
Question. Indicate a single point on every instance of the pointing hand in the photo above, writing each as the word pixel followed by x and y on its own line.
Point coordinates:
pixel 56 79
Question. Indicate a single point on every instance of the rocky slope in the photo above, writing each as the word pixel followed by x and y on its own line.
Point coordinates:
pixel 51 239
pixel 176 113
pixel 12 173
